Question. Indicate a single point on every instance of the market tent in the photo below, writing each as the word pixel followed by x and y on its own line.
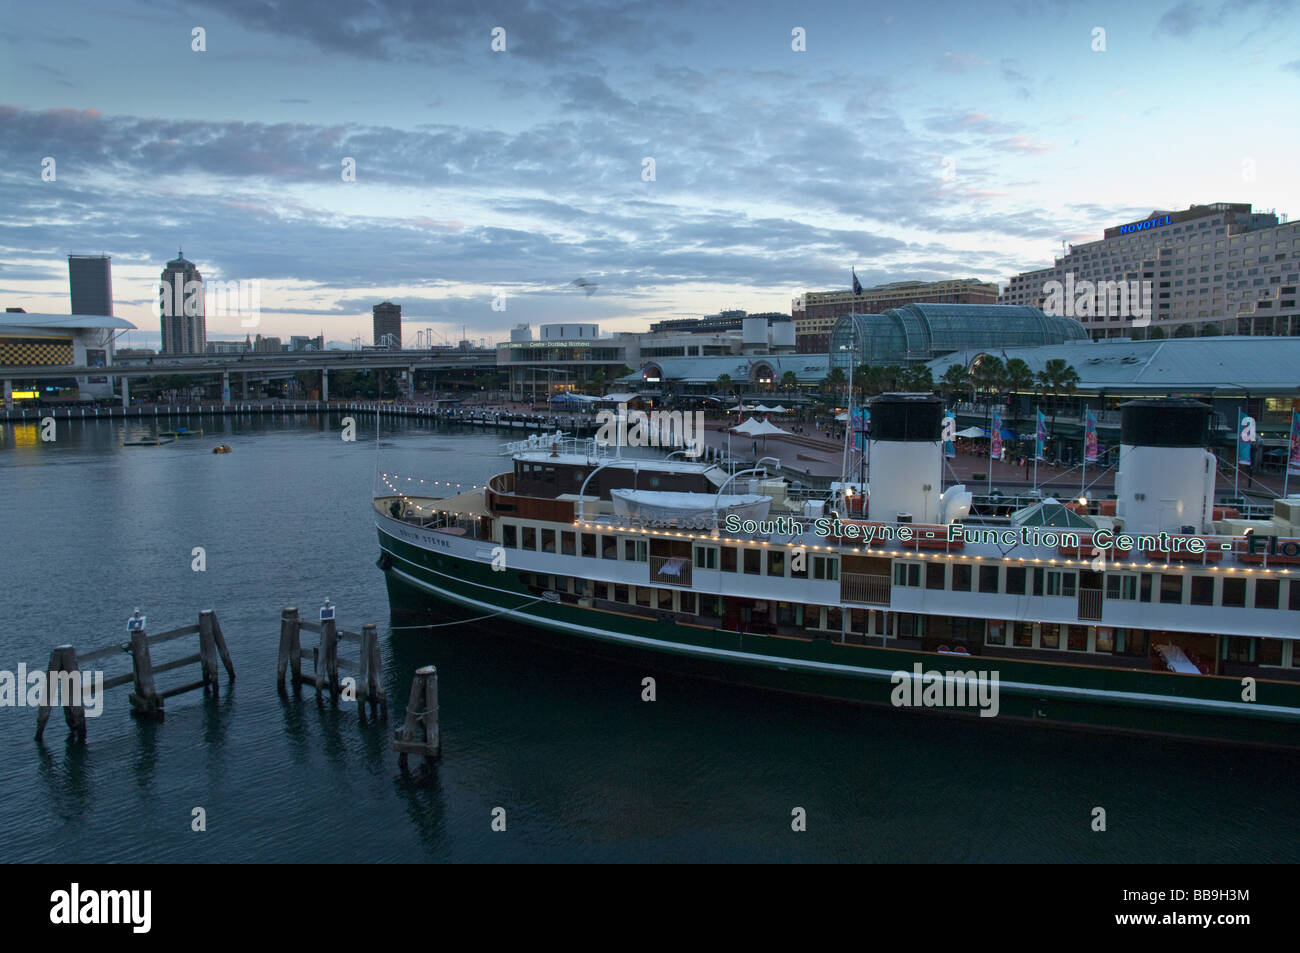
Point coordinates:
pixel 749 427
pixel 972 432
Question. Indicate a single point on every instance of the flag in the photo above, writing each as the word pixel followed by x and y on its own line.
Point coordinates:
pixel 859 417
pixel 1090 438
pixel 1040 438
pixel 995 438
pixel 1293 462
pixel 1245 437
pixel 949 434
pixel 857 285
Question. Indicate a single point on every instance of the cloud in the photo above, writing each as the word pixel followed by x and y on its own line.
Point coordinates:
pixel 1182 19
pixel 952 62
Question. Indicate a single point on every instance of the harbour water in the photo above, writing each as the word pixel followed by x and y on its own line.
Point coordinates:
pixel 585 770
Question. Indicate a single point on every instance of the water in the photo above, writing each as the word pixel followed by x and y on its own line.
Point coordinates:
pixel 585 770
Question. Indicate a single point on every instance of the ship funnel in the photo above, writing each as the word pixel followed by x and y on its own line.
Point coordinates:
pixel 905 454
pixel 1166 476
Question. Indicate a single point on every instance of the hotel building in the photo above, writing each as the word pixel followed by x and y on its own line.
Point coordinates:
pixel 1213 269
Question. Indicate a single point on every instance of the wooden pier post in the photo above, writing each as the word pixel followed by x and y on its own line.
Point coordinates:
pixel 372 673
pixel 420 733
pixel 290 647
pixel 62 659
pixel 208 652
pixel 144 700
pixel 222 651
pixel 329 649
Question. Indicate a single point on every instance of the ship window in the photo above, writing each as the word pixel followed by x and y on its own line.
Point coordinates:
pixel 785 613
pixel 706 557
pixel 509 536
pixel 799 563
pixel 1293 600
pixel 989 578
pixel 997 634
pixel 858 621
pixel 589 545
pixel 605 590
pixel 1105 639
pixel 910 626
pixel 1049 635
pixel 1234 592
pixel 642 596
pixel 568 544
pixel 1202 590
pixel 620 594
pixel 1269 652
pixel 1171 588
pixel 1077 638
pixel 636 550
pixel 1023 635
pixel 609 547
pixel 1145 588
pixel 961 577
pixel 728 559
pixel 835 618
pixel 1121 586
pixel 907 574
pixel 1016 580
pixel 1060 583
pixel 530 537
pixel 1266 593
pixel 753 561
pixel 828 568
pixel 936 576
pixel 687 602
pixel 776 562
pixel 1239 648
pixel 665 598
pixel 548 540
pixel 1132 642
pixel 812 617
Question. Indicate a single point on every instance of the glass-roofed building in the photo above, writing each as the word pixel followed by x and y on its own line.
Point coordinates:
pixel 922 332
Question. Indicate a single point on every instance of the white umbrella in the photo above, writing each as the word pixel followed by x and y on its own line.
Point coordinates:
pixel 749 427
pixel 972 432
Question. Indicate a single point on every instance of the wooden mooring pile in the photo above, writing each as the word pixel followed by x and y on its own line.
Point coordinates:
pixel 146 699
pixel 368 686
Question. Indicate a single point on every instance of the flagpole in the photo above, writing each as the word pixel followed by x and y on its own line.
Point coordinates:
pixel 1286 474
pixel 1236 456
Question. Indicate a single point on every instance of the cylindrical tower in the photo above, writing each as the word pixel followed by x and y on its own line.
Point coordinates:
pixel 906 458
pixel 1166 476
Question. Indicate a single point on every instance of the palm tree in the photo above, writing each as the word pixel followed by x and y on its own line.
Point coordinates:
pixel 987 374
pixel 789 382
pixel 917 378
pixel 1058 377
pixel 835 381
pixel 954 379
pixel 724 384
pixel 1019 380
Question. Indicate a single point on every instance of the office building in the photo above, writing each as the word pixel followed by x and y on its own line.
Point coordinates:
pixel 90 284
pixel 180 300
pixel 1219 269
pixel 388 325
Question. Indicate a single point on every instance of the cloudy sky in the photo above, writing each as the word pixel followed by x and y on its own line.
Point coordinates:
pixel 916 140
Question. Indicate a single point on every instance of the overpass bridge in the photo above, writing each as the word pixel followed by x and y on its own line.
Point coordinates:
pixel 261 365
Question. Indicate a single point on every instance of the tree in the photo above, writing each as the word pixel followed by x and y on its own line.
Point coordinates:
pixel 954 379
pixel 987 375
pixel 1058 377
pixel 835 381
pixel 724 385
pixel 918 378
pixel 1019 379
pixel 789 382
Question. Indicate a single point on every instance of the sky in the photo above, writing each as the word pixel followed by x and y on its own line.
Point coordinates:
pixel 908 141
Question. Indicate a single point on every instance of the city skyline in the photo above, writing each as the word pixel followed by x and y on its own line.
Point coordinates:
pixel 915 144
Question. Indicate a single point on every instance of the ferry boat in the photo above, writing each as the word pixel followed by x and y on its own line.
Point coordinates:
pixel 1157 611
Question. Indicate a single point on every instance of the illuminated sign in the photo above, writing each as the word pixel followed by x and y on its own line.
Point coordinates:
pixel 1143 226
pixel 26 394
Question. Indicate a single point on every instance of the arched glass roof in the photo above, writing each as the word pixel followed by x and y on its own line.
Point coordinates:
pixel 922 332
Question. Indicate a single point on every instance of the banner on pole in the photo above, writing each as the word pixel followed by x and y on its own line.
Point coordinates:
pixel 1090 439
pixel 1040 437
pixel 949 434
pixel 995 438
pixel 1246 435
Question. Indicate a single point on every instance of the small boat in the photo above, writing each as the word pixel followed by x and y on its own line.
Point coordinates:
pixel 181 432
pixel 221 449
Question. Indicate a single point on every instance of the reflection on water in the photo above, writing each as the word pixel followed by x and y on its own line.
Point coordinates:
pixel 584 769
